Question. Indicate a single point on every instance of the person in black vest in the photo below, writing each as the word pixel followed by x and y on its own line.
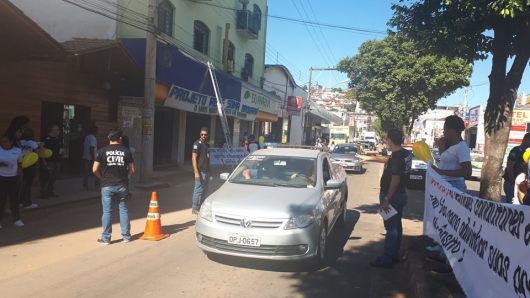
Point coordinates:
pixel 200 159
pixel 116 164
pixel 393 192
pixel 52 165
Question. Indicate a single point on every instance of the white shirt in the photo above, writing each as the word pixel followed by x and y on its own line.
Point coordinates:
pixel 11 157
pixel 453 157
pixel 518 180
pixel 90 141
pixel 28 146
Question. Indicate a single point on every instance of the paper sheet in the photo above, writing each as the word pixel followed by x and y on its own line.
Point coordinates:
pixel 391 212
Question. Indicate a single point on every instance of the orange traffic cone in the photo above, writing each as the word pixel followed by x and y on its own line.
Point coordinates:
pixel 153 225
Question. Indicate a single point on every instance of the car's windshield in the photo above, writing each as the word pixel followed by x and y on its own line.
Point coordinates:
pixel 346 150
pixel 276 171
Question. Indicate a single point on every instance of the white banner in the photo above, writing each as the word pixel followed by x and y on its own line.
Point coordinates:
pixel 225 156
pixel 487 243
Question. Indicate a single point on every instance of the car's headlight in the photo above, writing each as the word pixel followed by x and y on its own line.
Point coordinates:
pixel 206 211
pixel 300 221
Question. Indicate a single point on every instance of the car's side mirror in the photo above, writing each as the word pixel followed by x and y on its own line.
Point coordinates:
pixel 333 184
pixel 224 176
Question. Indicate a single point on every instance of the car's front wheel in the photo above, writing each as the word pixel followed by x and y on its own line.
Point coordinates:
pixel 320 258
pixel 341 221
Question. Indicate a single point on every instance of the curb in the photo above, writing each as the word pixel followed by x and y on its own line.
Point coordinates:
pixel 418 288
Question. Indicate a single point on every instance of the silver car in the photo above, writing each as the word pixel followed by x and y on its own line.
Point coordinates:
pixel 345 156
pixel 278 204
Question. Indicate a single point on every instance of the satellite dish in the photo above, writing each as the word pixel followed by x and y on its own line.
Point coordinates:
pixel 244 2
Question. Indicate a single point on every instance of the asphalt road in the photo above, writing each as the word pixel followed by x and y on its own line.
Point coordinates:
pixel 56 255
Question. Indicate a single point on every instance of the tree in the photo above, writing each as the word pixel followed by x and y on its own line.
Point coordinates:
pixel 393 79
pixel 376 125
pixel 472 30
pixel 336 90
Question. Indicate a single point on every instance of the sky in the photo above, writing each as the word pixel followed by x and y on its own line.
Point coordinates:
pixel 299 46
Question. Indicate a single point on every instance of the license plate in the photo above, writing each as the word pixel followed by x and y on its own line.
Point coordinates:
pixel 416 177
pixel 344 165
pixel 247 240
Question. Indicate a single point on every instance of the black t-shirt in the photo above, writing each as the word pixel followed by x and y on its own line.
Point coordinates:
pixel 114 162
pixel 399 163
pixel 203 155
pixel 516 155
pixel 54 144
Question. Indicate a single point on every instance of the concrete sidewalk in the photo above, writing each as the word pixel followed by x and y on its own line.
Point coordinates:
pixel 70 189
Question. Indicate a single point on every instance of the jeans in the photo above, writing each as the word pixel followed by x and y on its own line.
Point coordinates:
pixel 48 176
pixel 460 185
pixel 509 190
pixel 27 181
pixel 394 228
pixel 200 190
pixel 118 194
pixel 88 172
pixel 9 188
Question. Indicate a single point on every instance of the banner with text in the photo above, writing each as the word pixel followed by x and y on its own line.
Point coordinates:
pixel 191 101
pixel 294 105
pixel 225 156
pixel 487 243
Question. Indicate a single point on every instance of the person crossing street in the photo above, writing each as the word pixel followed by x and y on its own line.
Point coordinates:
pixel 200 159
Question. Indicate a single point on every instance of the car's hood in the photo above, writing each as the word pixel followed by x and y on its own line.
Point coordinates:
pixel 344 156
pixel 418 165
pixel 263 201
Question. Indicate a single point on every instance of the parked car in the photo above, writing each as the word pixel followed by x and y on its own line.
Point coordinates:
pixel 345 156
pixel 417 173
pixel 278 204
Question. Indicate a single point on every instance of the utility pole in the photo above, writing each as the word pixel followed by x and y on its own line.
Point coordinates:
pixel 465 103
pixel 148 120
pixel 306 110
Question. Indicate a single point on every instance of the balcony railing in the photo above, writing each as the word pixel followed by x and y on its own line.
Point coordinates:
pixel 248 24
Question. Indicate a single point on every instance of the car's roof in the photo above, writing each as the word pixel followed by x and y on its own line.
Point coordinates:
pixel 288 152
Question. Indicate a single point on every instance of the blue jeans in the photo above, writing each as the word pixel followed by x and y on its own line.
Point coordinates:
pixel 88 172
pixel 460 185
pixel 509 190
pixel 394 228
pixel 200 190
pixel 118 194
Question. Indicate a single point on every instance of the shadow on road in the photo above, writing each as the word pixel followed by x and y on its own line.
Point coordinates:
pixel 335 248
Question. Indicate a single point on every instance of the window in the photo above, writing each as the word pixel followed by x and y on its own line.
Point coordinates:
pixel 257 15
pixel 231 51
pixel 165 18
pixel 201 35
pixel 248 69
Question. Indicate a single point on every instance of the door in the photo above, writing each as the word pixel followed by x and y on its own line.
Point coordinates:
pixel 331 196
pixel 163 137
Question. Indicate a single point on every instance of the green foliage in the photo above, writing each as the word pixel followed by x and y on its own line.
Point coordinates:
pixel 336 90
pixel 393 79
pixel 376 125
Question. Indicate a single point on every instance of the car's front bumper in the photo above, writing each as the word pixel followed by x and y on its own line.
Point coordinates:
pixel 417 178
pixel 354 167
pixel 275 243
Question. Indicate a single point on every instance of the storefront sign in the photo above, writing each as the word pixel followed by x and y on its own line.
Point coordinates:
pixel 486 243
pixel 294 105
pixel 133 112
pixel 260 101
pixel 191 101
pixel 225 156
pixel 521 116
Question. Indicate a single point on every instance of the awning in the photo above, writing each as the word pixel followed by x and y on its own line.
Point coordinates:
pixel 321 112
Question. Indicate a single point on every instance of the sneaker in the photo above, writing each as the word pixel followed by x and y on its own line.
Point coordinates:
pixel 52 195
pixel 435 247
pixel 126 240
pixel 378 263
pixel 194 211
pixel 437 259
pixel 101 241
pixel 18 223
pixel 443 270
pixel 32 206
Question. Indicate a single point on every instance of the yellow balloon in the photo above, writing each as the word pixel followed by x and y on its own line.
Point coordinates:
pixel 211 142
pixel 526 156
pixel 261 139
pixel 29 159
pixel 422 151
pixel 47 153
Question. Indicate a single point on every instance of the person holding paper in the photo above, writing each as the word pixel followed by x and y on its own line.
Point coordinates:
pixel 393 196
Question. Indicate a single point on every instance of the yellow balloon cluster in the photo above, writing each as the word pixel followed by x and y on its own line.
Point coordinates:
pixel 526 156
pixel 261 139
pixel 211 142
pixel 422 151
pixel 46 153
pixel 29 159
